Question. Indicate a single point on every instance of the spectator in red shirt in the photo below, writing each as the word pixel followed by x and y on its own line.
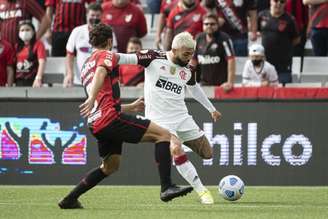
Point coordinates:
pixel 68 14
pixel 6 62
pixel 31 57
pixel 126 19
pixel 13 11
pixel 319 26
pixel 186 16
pixel 300 13
pixel 132 75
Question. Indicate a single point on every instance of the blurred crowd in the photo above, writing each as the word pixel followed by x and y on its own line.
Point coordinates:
pixel 269 32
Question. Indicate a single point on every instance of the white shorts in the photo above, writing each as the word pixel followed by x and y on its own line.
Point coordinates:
pixel 185 129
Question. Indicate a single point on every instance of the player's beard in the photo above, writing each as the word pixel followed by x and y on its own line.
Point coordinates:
pixel 178 61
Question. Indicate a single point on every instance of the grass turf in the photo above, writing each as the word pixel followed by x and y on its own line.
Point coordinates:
pixel 143 202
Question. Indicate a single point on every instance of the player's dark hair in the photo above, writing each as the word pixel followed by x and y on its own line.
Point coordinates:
pixel 135 40
pixel 99 35
pixel 20 43
pixel 211 15
pixel 94 7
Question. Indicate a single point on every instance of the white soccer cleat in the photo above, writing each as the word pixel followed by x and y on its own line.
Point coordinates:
pixel 206 197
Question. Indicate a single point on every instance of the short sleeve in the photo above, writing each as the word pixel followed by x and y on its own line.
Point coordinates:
pixel 107 60
pixel 70 46
pixel 40 50
pixel 228 47
pixel 145 57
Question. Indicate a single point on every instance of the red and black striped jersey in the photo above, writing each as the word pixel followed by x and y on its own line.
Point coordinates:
pixel 68 14
pixel 13 12
pixel 108 104
pixel 319 15
pixel 190 20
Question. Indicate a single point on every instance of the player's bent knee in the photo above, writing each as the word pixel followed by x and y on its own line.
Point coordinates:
pixel 176 149
pixel 110 165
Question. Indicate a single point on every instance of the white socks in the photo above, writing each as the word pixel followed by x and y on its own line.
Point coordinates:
pixel 189 173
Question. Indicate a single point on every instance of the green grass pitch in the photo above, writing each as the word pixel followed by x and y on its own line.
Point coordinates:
pixel 143 202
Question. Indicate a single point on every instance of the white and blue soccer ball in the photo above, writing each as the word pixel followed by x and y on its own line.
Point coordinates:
pixel 231 187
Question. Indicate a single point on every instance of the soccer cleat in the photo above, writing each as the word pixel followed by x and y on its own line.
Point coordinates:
pixel 67 203
pixel 206 197
pixel 174 191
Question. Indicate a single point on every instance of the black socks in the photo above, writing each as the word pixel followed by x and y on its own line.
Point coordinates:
pixel 89 181
pixel 164 162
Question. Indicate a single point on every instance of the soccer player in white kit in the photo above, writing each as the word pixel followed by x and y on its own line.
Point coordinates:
pixel 166 76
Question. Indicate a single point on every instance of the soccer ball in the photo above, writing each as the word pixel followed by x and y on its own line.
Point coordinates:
pixel 231 188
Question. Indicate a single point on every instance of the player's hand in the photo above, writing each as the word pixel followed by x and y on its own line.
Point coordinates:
pixel 216 115
pixel 138 105
pixel 227 86
pixel 86 107
pixel 68 81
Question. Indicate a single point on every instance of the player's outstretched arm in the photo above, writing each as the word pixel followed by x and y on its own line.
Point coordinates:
pixel 197 92
pixel 136 106
pixel 95 86
pixel 127 58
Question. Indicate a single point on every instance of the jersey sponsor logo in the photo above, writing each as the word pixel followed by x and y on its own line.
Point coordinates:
pixel 282 25
pixel 196 17
pixel 206 60
pixel 177 17
pixel 165 84
pixel 11 14
pixel 128 18
pixel 183 75
pixel 172 70
pixel 87 66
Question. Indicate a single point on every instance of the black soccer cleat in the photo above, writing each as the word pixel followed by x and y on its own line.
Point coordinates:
pixel 174 191
pixel 67 203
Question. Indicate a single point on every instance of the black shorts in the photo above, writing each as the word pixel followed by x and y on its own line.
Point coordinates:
pixel 126 128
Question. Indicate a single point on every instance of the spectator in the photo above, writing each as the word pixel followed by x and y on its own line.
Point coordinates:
pixel 78 45
pixel 68 14
pixel 279 34
pixel 13 11
pixel 257 71
pixel 263 5
pixel 31 57
pixel 319 26
pixel 168 5
pixel 300 13
pixel 126 19
pixel 6 62
pixel 132 75
pixel 214 55
pixel 186 16
pixel 235 14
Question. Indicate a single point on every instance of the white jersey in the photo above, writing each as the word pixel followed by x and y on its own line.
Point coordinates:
pixel 253 78
pixel 164 87
pixel 78 42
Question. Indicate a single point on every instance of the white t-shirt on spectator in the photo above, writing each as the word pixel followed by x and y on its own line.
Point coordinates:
pixel 253 78
pixel 78 42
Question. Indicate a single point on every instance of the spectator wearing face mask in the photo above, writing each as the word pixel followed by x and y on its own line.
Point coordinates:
pixel 31 57
pixel 258 72
pixel 7 60
pixel 78 45
pixel 132 75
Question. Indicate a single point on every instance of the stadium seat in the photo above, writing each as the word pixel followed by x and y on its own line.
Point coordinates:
pixel 315 70
pixel 54 70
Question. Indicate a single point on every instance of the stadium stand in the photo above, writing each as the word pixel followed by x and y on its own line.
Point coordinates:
pixel 315 70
